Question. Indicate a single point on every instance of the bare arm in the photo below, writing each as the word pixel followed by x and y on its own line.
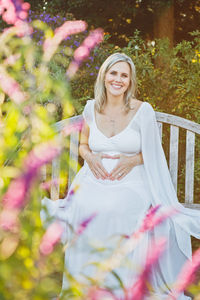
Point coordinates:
pixel 84 149
pixel 93 160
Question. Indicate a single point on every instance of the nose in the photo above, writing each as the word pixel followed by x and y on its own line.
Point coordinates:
pixel 118 78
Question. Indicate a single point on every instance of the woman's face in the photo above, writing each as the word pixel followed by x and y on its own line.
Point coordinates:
pixel 117 79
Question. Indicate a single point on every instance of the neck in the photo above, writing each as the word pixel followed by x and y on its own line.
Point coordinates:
pixel 115 101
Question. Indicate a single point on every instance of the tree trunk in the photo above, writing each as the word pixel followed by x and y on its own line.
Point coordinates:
pixel 164 22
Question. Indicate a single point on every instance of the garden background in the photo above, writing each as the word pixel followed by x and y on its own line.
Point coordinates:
pixel 162 38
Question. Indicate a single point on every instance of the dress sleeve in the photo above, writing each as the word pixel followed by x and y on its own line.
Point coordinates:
pixel 186 221
pixel 88 112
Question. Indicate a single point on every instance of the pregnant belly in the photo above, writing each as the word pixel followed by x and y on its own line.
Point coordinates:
pixel 135 175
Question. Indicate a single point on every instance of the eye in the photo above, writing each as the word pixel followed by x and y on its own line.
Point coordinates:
pixel 112 72
pixel 124 75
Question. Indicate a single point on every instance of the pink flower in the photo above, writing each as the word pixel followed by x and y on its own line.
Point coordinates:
pixel 152 219
pixel 81 53
pixel 47 185
pixel 72 69
pixel 75 126
pixel 85 224
pixel 69 27
pixel 13 10
pixel 96 293
pixel 23 28
pixel 51 238
pixel 41 155
pixel 186 276
pixel 18 189
pixel 140 288
pixel 16 193
pixel 11 87
pixel 95 37
pixel 9 219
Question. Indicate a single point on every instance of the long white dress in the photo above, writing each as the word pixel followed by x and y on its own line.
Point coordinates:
pixel 121 205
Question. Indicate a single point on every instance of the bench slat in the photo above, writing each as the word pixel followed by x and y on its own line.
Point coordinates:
pixel 173 154
pixel 160 127
pixel 73 166
pixel 55 186
pixel 43 173
pixel 189 169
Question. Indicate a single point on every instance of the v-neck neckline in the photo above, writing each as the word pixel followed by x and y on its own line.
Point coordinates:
pixel 127 126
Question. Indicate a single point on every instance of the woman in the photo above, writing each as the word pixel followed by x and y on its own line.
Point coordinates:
pixel 125 173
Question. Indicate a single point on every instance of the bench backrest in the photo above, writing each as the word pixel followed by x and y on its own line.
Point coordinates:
pixel 176 123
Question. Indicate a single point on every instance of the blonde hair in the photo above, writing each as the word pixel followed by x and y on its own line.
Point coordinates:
pixel 100 90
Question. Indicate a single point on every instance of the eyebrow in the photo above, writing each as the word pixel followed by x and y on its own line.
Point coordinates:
pixel 122 73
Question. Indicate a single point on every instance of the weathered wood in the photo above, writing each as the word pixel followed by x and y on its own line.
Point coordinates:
pixel 55 177
pixel 177 121
pixel 160 127
pixel 192 205
pixel 189 169
pixel 43 173
pixel 173 154
pixel 73 162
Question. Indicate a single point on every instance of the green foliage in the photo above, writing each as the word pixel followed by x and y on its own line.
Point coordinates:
pixel 25 272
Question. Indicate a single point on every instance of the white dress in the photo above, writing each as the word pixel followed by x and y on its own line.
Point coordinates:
pixel 121 205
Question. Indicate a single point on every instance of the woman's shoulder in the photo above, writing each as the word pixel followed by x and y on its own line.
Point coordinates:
pixel 138 102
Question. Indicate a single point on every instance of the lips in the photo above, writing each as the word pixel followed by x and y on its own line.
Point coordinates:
pixel 116 86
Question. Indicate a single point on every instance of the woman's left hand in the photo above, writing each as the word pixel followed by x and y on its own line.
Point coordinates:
pixel 124 166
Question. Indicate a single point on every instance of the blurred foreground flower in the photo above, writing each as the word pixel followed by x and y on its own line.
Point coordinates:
pixel 14 198
pixel 81 53
pixel 51 238
pixel 139 289
pixel 13 10
pixel 186 276
pixel 100 294
pixel 82 227
pixel 11 87
pixel 152 219
pixel 69 27
pixel 76 126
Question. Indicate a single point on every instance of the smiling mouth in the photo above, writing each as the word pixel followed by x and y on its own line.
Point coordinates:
pixel 116 86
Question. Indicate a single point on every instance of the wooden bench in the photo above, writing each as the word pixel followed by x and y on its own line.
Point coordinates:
pixel 175 123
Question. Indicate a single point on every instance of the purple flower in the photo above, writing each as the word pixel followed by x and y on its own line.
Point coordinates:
pixel 139 289
pixel 152 219
pixel 15 196
pixel 76 43
pixel 82 227
pixel 91 74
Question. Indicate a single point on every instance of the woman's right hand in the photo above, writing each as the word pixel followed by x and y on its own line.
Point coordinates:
pixel 95 164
